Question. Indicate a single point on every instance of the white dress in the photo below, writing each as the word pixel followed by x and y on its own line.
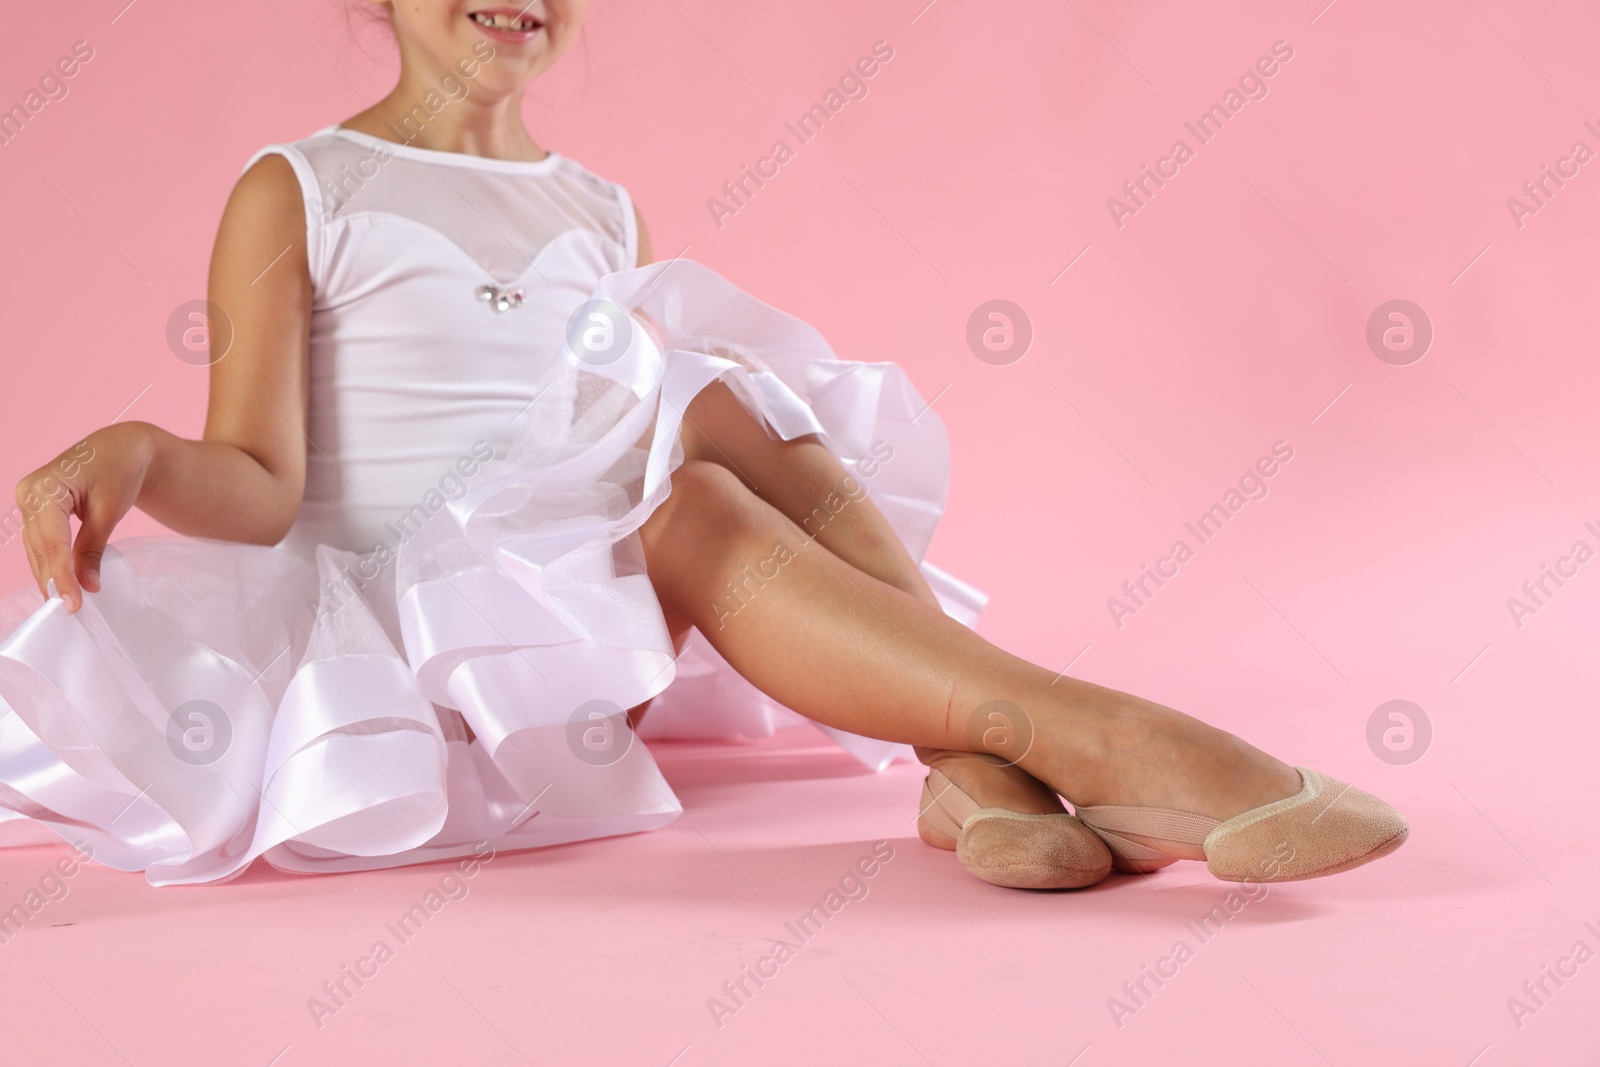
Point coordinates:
pixel 495 401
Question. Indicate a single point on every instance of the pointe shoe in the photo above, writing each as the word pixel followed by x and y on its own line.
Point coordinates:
pixel 1012 848
pixel 1325 828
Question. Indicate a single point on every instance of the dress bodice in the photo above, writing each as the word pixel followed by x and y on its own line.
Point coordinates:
pixel 442 285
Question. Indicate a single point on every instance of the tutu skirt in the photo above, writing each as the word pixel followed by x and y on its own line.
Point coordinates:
pixel 217 702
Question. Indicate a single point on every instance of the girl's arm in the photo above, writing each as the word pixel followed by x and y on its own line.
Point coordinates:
pixel 243 480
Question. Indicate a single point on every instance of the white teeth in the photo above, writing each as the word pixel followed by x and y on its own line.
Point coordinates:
pixel 504 22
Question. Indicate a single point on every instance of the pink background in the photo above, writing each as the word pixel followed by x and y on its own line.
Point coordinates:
pixel 1222 317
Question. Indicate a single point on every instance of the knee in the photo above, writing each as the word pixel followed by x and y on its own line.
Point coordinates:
pixel 708 509
pixel 717 499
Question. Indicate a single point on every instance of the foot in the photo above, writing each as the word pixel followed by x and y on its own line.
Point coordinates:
pixel 1040 848
pixel 1112 748
pixel 991 782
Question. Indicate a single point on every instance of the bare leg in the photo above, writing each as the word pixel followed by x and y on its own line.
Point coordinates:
pixel 851 651
pixel 804 481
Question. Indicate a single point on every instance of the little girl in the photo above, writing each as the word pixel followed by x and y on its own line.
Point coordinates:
pixel 479 484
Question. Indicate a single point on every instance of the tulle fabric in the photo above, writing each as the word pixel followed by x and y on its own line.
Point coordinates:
pixel 218 702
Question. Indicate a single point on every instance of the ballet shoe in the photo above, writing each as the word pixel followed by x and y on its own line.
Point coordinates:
pixel 1008 848
pixel 1325 828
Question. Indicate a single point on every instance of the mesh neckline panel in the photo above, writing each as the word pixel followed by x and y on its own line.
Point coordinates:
pixel 500 213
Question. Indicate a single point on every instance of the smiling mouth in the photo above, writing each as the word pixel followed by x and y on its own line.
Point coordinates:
pixel 507 21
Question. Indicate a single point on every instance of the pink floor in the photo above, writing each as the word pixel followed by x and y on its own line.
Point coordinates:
pixel 608 952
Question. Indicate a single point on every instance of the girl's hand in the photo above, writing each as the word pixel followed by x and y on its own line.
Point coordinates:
pixel 98 480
